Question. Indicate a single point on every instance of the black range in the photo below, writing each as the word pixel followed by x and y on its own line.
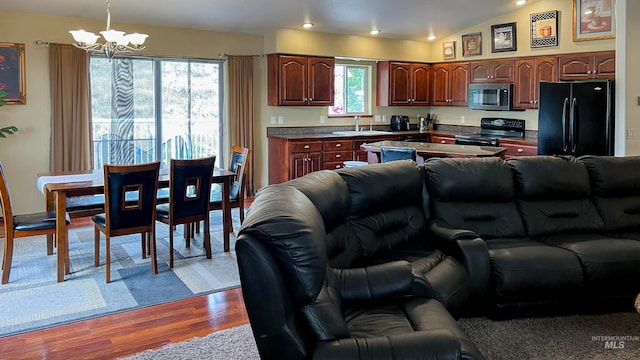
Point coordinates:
pixel 491 130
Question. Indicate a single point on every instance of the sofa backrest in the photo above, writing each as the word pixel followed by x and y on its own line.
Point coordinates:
pixel 474 193
pixel 615 183
pixel 386 211
pixel 554 195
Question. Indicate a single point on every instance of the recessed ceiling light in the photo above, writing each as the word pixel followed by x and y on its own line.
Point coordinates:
pixel 520 2
pixel 307 25
pixel 374 32
pixel 431 37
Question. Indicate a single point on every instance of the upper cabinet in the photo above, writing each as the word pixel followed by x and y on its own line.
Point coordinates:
pixel 586 66
pixel 403 84
pixel 300 80
pixel 450 84
pixel 529 72
pixel 492 71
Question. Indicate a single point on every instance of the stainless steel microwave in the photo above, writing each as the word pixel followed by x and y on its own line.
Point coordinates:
pixel 491 96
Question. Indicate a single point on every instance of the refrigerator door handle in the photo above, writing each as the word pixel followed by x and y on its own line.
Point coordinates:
pixel 564 124
pixel 572 124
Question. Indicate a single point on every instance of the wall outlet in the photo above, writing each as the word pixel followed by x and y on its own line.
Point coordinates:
pixel 322 119
pixel 461 119
pixel 280 120
pixel 384 118
pixel 631 133
pixel 273 119
pixel 377 118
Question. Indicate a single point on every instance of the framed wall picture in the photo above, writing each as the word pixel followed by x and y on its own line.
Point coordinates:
pixel 593 20
pixel 12 77
pixel 449 50
pixel 503 37
pixel 472 44
pixel 544 29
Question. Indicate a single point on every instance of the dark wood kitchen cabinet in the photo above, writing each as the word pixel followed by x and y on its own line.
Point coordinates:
pixel 529 72
pixel 587 66
pixel 492 71
pixel 518 147
pixel 403 84
pixel 295 80
pixel 336 152
pixel 450 84
pixel 290 159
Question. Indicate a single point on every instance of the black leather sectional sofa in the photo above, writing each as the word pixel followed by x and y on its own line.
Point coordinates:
pixel 377 261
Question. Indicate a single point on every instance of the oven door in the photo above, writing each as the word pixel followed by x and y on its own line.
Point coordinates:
pixel 475 140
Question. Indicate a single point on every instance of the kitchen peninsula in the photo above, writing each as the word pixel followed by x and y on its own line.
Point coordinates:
pixel 428 150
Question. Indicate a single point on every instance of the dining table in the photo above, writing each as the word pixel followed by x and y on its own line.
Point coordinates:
pixel 58 187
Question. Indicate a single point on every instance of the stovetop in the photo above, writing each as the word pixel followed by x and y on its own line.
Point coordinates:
pixel 495 128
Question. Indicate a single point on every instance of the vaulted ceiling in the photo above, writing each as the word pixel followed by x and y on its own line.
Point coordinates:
pixel 400 19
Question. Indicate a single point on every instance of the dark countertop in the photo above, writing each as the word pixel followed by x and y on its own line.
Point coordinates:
pixel 364 135
pixel 436 149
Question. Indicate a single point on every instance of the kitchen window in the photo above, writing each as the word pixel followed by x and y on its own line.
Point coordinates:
pixel 148 109
pixel 352 92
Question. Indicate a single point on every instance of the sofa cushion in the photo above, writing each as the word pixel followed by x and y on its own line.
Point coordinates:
pixel 610 265
pixel 523 269
pixel 378 187
pixel 317 186
pixel 474 194
pixel 554 195
pixel 616 190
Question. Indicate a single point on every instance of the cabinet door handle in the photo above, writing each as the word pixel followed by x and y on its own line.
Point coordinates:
pixel 443 142
pixel 520 150
pixel 306 146
pixel 338 166
pixel 338 145
pixel 588 71
pixel 338 156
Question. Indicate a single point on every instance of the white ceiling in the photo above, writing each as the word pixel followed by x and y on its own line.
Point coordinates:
pixel 400 19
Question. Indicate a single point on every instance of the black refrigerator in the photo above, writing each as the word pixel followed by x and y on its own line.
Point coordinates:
pixel 576 118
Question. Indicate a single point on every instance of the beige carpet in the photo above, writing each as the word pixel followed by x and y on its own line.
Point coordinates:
pixel 578 337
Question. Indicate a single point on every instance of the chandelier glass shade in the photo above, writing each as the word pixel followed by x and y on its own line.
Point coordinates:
pixel 116 42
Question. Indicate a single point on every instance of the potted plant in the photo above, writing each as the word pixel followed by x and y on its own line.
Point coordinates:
pixel 9 129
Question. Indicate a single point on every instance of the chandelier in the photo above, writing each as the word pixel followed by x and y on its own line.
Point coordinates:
pixel 117 42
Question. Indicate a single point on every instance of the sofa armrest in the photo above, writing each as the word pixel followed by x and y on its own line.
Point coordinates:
pixel 474 255
pixel 373 282
pixel 442 233
pixel 431 344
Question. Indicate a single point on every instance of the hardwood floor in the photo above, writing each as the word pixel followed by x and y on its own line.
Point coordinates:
pixel 130 332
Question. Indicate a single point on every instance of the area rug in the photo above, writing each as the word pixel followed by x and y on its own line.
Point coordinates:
pixel 552 338
pixel 33 299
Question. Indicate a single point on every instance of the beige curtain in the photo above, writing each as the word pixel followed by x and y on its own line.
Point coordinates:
pixel 71 148
pixel 241 108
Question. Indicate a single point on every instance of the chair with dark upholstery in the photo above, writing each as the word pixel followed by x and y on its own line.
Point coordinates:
pixel 393 154
pixel 130 208
pixel 189 189
pixel 238 164
pixel 17 226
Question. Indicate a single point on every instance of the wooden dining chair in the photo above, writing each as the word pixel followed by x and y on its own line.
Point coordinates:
pixel 189 189
pixel 19 226
pixel 238 164
pixel 130 208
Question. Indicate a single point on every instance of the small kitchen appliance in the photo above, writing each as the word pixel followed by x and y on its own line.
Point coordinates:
pixel 399 122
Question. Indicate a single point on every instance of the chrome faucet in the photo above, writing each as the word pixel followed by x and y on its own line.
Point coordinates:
pixel 357 121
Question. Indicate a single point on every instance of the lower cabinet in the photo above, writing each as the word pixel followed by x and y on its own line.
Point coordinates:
pixel 336 152
pixel 519 147
pixel 442 139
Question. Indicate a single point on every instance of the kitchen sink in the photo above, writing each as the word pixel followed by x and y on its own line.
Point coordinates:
pixel 357 133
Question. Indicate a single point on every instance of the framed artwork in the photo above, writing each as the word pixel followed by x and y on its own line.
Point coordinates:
pixel 503 37
pixel 593 20
pixel 544 29
pixel 449 50
pixel 472 44
pixel 12 78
